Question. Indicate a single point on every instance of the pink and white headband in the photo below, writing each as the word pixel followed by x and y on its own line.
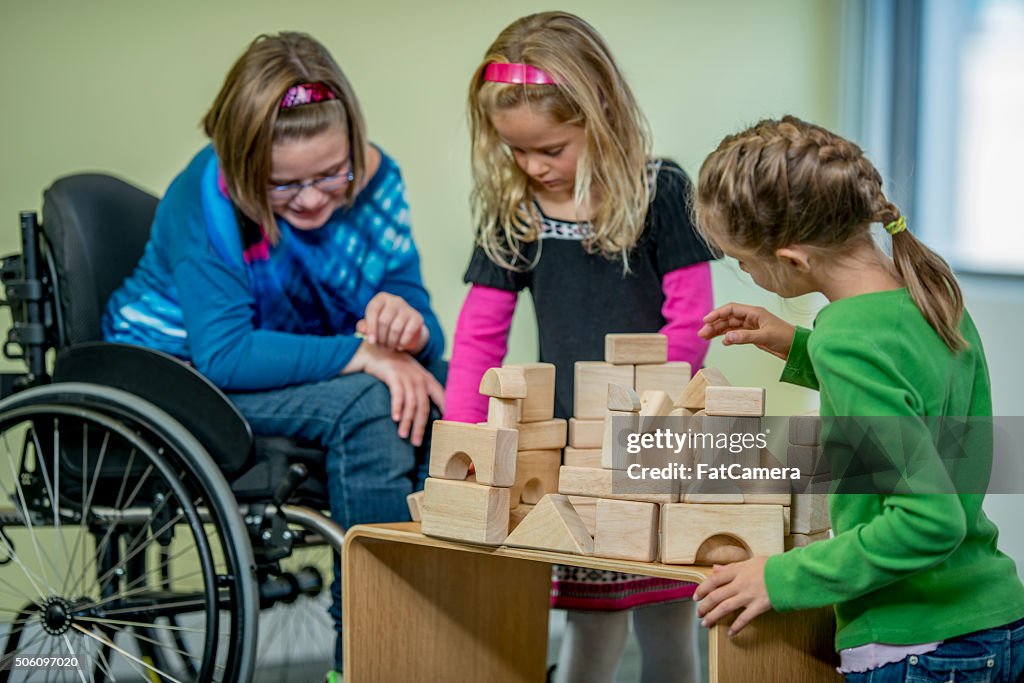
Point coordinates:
pixel 507 72
pixel 306 93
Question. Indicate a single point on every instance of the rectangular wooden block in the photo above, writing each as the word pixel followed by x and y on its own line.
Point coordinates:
pixel 635 349
pixel 805 430
pixel 542 435
pixel 617 428
pixel 671 377
pixel 740 401
pixel 492 451
pixel 627 530
pixel 800 540
pixel 808 459
pixel 463 511
pixel 685 528
pixel 590 382
pixel 504 412
pixel 586 433
pixel 582 457
pixel 598 483
pixel 809 513
pixel 539 403
pixel 536 475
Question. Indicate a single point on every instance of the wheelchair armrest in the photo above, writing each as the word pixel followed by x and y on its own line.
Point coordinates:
pixel 168 383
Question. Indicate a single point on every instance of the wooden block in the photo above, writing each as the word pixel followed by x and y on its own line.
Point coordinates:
pixel 819 484
pixel 598 483
pixel 768 491
pixel 805 430
pixel 462 511
pixel 590 382
pixel 623 399
pixel 548 434
pixel 721 550
pixel 692 396
pixel 617 428
pixel 635 349
pixel 740 401
pixel 586 508
pixel 809 513
pixel 492 451
pixel 586 433
pixel 671 377
pixel 808 460
pixel 553 525
pixel 536 475
pixel 626 530
pixel 415 502
pixel 728 497
pixel 507 382
pixel 684 528
pixel 539 403
pixel 681 412
pixel 800 540
pixel 655 403
pixel 582 457
pixel 504 412
pixel 787 519
pixel 517 515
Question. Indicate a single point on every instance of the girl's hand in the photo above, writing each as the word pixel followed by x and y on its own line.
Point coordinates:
pixel 733 587
pixel 412 387
pixel 393 324
pixel 742 324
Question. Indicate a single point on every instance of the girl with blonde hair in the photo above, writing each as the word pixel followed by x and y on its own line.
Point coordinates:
pixel 569 203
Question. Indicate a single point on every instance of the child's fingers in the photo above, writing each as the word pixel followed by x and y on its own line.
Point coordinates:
pixel 752 611
pixel 371 319
pixel 411 334
pixel 394 332
pixel 723 609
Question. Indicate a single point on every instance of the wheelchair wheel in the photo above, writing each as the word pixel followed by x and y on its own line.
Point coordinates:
pixel 122 553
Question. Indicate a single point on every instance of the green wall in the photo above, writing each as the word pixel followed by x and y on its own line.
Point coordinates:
pixel 120 86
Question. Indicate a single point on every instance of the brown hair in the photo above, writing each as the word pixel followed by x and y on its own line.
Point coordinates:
pixel 246 119
pixel 591 93
pixel 784 182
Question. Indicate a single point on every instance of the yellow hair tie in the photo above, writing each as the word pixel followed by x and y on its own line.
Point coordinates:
pixel 897 226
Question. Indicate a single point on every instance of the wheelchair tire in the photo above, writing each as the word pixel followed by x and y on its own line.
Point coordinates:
pixel 110 497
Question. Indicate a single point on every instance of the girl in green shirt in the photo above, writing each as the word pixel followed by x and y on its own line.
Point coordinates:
pixel 920 588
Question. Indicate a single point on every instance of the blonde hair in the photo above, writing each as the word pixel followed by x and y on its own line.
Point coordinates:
pixel 591 92
pixel 784 182
pixel 246 119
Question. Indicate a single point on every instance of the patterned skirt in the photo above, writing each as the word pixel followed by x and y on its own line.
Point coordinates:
pixel 608 591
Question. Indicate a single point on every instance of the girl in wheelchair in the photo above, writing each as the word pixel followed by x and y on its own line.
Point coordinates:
pixel 281 264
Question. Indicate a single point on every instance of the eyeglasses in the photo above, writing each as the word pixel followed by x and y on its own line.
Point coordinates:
pixel 329 183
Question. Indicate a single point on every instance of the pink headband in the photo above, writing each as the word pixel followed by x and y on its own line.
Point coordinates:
pixel 505 72
pixel 306 93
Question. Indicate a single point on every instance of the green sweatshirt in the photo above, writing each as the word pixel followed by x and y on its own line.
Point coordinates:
pixel 907 568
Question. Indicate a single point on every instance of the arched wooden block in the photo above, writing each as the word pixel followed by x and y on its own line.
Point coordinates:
pixel 722 549
pixel 504 383
pixel 492 450
pixel 685 527
pixel 536 475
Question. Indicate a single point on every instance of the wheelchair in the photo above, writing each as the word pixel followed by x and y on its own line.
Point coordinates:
pixel 142 526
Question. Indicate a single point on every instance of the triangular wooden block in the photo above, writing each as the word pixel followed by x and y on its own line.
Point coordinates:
pixel 553 525
pixel 692 397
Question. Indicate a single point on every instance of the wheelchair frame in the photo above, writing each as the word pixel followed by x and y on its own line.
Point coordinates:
pixel 179 493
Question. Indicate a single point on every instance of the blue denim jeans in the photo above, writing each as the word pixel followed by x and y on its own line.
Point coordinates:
pixel 995 655
pixel 370 470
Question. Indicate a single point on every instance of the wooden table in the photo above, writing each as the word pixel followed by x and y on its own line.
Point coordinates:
pixel 423 609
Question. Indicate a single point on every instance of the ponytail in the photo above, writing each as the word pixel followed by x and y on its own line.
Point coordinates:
pixel 931 285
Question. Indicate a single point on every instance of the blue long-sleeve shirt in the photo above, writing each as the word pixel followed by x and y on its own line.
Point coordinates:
pixel 258 317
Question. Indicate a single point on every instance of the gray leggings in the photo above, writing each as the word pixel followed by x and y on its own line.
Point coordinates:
pixel 594 641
